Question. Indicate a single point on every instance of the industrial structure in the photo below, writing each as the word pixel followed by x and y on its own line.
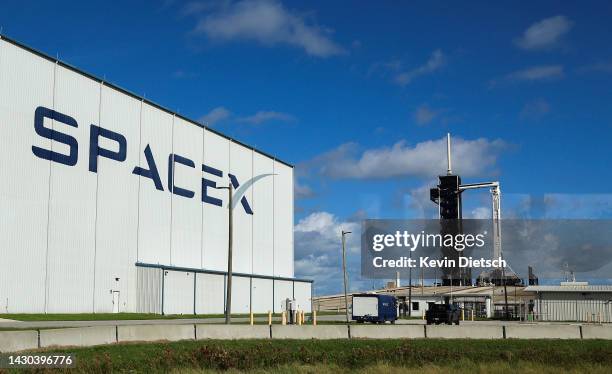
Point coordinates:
pixel 572 301
pixel 448 196
pixel 485 302
pixel 496 293
pixel 569 301
pixel 110 203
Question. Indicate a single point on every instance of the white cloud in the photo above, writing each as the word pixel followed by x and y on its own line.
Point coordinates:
pixel 599 67
pixel 318 250
pixel 535 109
pixel 479 213
pixel 435 62
pixel 546 72
pixel 424 114
pixel 269 23
pixel 531 74
pixel 198 7
pixel 418 203
pixel 221 113
pixel 214 116
pixel 545 34
pixel 426 159
pixel 266 116
pixel 301 191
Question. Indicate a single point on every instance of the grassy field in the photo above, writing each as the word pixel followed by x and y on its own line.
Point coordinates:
pixel 344 356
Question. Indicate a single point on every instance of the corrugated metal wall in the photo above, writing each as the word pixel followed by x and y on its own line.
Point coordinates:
pixel 72 235
pixel 25 83
pixel 569 306
pixel 283 220
pixel 210 294
pixel 72 201
pixel 303 296
pixel 263 226
pixel 215 229
pixel 149 290
pixel 282 291
pixel 259 295
pixel 187 212
pixel 154 211
pixel 241 295
pixel 262 295
pixel 178 292
pixel 117 205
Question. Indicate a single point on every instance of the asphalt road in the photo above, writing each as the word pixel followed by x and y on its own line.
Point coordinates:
pixel 178 321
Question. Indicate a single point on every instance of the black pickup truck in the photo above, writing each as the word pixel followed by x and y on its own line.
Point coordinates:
pixel 443 313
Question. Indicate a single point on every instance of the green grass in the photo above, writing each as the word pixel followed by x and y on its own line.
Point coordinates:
pixel 462 366
pixel 344 356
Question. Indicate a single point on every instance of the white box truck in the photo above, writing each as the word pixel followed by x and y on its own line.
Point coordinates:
pixel 374 308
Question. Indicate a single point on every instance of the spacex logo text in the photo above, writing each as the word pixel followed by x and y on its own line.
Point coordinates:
pixel 149 171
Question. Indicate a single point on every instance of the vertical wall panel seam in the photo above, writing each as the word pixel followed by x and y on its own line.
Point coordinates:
pixel 139 183
pixel 93 299
pixel 273 217
pixel 49 204
pixel 254 210
pixel 171 186
pixel 139 288
pixel 201 202
pixel 229 170
pixel 291 217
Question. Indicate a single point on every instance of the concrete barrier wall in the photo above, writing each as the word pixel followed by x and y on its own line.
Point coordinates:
pixel 13 341
pixel 388 332
pixel 155 332
pixel 597 332
pixel 465 332
pixel 78 336
pixel 542 332
pixel 310 332
pixel 232 332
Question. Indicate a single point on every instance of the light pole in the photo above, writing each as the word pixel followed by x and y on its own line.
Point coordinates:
pixel 344 233
pixel 228 305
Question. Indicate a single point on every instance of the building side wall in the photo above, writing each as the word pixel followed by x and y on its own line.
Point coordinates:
pixel 249 293
pixel 25 83
pixel 73 231
pixel 574 306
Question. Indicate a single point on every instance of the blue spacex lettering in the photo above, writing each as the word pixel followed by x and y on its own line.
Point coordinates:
pixel 149 171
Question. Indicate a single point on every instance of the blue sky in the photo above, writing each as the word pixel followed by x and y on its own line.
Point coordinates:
pixel 358 95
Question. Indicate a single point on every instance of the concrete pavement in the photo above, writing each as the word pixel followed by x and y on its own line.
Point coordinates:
pixel 11 324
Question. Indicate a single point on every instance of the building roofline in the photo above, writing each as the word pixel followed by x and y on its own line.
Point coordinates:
pixel 586 288
pixel 134 95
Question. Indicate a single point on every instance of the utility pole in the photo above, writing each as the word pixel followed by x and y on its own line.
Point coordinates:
pixel 344 233
pixel 230 240
pixel 410 289
pixel 228 295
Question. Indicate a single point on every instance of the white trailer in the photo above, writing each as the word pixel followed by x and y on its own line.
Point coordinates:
pixel 364 306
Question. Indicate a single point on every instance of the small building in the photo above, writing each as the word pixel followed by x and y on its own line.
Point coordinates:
pixel 572 301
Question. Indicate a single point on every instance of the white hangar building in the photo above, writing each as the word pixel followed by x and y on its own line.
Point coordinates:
pixel 108 203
